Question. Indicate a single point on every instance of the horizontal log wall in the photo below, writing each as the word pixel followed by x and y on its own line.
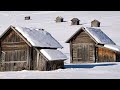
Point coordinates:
pixel 15 52
pixel 106 55
pixel 82 37
pixel 53 65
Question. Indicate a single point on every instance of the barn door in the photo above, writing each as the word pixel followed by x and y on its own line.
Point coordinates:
pixel 83 53
pixel 14 60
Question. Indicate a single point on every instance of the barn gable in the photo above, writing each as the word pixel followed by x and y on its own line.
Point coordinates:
pixel 11 35
pixel 82 37
pixel 96 34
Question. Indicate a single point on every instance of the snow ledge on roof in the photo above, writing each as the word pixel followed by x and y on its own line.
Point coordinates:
pixel 53 54
pixel 113 47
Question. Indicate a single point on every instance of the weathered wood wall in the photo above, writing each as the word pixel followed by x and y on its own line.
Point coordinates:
pixel 106 55
pixel 53 65
pixel 41 63
pixel 83 48
pixel 83 52
pixel 44 64
pixel 118 57
pixel 34 60
pixel 14 52
pixel 95 24
pixel 59 19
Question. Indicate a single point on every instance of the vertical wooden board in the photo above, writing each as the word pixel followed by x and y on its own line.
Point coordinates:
pixel 11 66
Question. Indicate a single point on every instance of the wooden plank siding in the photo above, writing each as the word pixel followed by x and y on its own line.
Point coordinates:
pixel 34 60
pixel 106 55
pixel 82 37
pixel 82 48
pixel 43 64
pixel 14 52
pixel 83 52
pixel 52 65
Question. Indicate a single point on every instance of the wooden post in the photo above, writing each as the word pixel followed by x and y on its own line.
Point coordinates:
pixel 71 56
pixel 96 54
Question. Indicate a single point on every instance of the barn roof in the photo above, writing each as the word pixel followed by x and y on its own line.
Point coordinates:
pixel 53 54
pixel 59 17
pixel 37 37
pixel 75 19
pixel 96 34
pixel 99 35
pixel 95 21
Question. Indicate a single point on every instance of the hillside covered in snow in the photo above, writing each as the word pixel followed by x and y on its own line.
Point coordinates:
pixel 110 25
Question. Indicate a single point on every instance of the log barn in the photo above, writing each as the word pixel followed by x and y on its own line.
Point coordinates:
pixel 59 19
pixel 75 21
pixel 27 18
pixel 25 48
pixel 89 45
pixel 95 23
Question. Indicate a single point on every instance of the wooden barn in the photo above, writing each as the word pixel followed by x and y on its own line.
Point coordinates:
pixel 95 23
pixel 27 18
pixel 75 21
pixel 59 19
pixel 29 49
pixel 89 45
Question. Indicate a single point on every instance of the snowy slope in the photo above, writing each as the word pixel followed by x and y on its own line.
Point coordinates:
pixel 83 71
pixel 110 22
pixel 110 25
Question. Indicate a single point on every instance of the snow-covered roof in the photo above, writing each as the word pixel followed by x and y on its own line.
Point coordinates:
pixel 96 33
pixel 38 37
pixel 112 47
pixel 53 54
pixel 99 35
pixel 95 21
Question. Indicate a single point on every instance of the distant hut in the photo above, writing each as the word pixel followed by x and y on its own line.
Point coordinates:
pixel 75 21
pixel 29 49
pixel 59 19
pixel 95 23
pixel 27 18
pixel 89 45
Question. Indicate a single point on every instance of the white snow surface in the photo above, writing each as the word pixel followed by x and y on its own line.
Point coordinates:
pixel 38 37
pixel 53 54
pixel 109 70
pixel 110 25
pixel 113 47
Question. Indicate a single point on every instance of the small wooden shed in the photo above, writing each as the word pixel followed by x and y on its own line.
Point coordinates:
pixel 29 49
pixel 59 19
pixel 89 45
pixel 95 23
pixel 27 17
pixel 75 21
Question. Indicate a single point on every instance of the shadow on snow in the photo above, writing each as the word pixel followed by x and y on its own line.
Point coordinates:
pixel 86 65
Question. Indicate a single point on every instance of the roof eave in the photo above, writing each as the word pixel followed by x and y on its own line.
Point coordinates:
pixel 6 31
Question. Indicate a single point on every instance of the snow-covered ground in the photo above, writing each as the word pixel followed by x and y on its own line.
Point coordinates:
pixel 81 71
pixel 110 24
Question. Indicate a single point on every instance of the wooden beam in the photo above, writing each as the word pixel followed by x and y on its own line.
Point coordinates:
pixel 71 55
pixel 13 61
